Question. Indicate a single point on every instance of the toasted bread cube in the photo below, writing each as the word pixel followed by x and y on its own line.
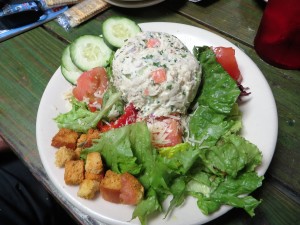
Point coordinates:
pixel 65 137
pixel 62 155
pixel 88 188
pixel 93 163
pixel 86 140
pixel 91 134
pixel 74 172
pixel 121 188
pixel 77 152
pixel 110 187
pixel 93 176
pixel 132 191
pixel 81 140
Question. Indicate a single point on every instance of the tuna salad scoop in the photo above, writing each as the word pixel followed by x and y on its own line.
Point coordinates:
pixel 157 73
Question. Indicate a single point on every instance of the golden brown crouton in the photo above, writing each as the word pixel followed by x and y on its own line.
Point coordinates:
pixel 77 153
pixel 65 137
pixel 91 134
pixel 81 140
pixel 93 163
pixel 62 155
pixel 74 172
pixel 121 188
pixel 92 176
pixel 86 140
pixel 132 191
pixel 88 189
pixel 110 187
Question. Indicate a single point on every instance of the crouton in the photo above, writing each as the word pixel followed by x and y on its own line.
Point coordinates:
pixel 132 191
pixel 74 172
pixel 110 187
pixel 86 140
pixel 62 155
pixel 81 140
pixel 88 189
pixel 77 152
pixel 121 188
pixel 93 163
pixel 91 134
pixel 92 176
pixel 65 137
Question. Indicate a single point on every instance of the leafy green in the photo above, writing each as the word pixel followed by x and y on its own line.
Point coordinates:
pixel 216 100
pixel 225 191
pixel 118 108
pixel 232 154
pixel 116 149
pixel 80 119
pixel 215 165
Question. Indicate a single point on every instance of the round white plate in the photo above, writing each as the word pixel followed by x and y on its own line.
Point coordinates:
pixel 259 118
pixel 134 3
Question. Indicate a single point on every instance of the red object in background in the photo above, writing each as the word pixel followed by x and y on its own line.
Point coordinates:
pixel 278 37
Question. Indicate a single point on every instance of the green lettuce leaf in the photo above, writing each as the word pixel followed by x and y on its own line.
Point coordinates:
pixel 232 155
pixel 80 119
pixel 147 206
pixel 118 108
pixel 216 101
pixel 216 167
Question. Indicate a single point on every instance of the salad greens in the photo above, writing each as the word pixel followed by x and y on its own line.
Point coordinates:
pixel 215 165
pixel 80 119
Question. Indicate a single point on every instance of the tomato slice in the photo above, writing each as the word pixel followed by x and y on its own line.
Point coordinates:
pixel 166 131
pixel 91 84
pixel 226 57
pixel 129 117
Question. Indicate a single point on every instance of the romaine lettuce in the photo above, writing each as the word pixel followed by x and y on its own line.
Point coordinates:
pixel 215 165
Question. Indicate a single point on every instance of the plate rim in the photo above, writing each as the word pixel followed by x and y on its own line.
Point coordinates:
pixel 134 3
pixel 103 218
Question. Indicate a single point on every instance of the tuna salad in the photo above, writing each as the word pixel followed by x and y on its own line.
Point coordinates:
pixel 157 72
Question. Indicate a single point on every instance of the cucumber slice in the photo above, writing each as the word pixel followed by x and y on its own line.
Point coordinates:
pixel 70 76
pixel 118 29
pixel 90 51
pixel 67 62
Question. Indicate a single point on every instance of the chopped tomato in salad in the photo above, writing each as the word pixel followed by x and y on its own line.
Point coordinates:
pixel 166 131
pixel 91 85
pixel 226 57
pixel 129 117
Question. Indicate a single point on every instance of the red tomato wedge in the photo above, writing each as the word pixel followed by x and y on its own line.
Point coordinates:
pixel 91 84
pixel 159 75
pixel 129 117
pixel 166 132
pixel 226 57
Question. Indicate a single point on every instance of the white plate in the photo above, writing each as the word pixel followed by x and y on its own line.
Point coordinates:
pixel 134 3
pixel 259 118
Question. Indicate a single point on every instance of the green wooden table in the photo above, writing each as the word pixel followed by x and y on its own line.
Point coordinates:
pixel 28 61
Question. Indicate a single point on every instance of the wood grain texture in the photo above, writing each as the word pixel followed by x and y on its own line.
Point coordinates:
pixel 238 19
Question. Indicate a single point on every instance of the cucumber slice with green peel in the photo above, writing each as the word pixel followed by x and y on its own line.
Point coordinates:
pixel 116 30
pixel 70 76
pixel 90 51
pixel 67 62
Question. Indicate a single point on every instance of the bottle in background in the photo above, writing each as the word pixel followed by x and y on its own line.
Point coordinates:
pixel 278 37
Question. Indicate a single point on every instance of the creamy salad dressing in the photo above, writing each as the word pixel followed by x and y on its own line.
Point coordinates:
pixel 134 63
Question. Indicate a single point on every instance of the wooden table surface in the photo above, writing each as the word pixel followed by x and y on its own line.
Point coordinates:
pixel 28 61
